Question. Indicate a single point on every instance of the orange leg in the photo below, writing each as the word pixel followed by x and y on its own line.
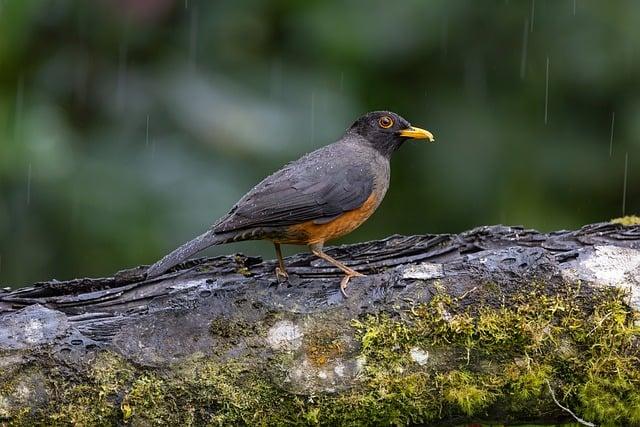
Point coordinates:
pixel 281 271
pixel 316 249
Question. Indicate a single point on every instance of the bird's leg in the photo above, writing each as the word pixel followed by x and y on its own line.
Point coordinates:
pixel 281 271
pixel 316 249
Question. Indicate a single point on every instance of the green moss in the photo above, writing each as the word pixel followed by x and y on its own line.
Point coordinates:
pixel 466 391
pixel 627 220
pixel 491 288
pixel 322 344
pixel 242 268
pixel 96 400
pixel 7 389
pixel 22 395
pixel 612 387
pixel 482 360
pixel 149 401
pixel 592 355
pixel 527 380
pixel 229 328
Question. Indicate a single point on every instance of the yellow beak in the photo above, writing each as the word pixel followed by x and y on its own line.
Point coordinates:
pixel 417 133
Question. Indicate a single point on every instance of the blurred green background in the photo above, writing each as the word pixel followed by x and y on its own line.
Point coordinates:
pixel 127 127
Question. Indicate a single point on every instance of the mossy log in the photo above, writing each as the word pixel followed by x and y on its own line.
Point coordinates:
pixel 444 329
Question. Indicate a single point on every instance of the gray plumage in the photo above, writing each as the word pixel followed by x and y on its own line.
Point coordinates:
pixel 318 187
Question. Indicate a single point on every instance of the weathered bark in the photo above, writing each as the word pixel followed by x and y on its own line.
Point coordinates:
pixel 444 329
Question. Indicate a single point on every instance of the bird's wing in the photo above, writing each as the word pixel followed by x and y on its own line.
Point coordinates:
pixel 320 186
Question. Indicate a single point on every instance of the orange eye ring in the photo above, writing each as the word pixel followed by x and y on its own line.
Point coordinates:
pixel 385 122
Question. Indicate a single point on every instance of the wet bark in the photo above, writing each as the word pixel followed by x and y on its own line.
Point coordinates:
pixel 302 337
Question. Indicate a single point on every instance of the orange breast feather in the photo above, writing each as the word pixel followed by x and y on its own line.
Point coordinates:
pixel 308 232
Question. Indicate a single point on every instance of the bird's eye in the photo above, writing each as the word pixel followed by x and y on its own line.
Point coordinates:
pixel 385 122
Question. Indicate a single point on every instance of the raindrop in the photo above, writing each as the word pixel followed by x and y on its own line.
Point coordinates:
pixel 186 4
pixel 624 186
pixel 146 141
pixel 313 116
pixel 546 95
pixel 533 14
pixel 193 36
pixel 613 121
pixel 574 7
pixel 525 43
pixel 29 185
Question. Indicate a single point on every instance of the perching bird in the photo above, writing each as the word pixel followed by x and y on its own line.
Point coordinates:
pixel 321 196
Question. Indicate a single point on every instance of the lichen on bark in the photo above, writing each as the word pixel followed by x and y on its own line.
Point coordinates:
pixel 481 360
pixel 445 329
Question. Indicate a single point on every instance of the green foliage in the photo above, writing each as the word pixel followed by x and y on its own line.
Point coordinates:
pixel 87 188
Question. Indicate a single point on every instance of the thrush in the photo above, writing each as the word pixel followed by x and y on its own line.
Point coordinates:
pixel 319 197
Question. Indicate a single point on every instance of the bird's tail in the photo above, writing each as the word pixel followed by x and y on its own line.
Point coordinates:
pixel 192 247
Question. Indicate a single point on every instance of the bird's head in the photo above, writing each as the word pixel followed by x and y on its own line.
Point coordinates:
pixel 386 131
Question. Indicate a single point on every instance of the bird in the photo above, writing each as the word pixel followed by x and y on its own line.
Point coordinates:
pixel 321 196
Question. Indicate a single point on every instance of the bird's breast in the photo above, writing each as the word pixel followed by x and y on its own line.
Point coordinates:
pixel 309 232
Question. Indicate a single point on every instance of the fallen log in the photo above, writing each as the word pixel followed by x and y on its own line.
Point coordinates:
pixel 495 324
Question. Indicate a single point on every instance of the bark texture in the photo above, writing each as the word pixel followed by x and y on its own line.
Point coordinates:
pixel 443 329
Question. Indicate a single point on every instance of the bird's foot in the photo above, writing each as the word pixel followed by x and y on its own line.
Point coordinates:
pixel 281 274
pixel 345 281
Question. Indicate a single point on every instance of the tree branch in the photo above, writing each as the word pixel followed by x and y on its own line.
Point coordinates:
pixel 444 329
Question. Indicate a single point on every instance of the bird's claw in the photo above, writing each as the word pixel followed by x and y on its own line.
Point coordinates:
pixel 281 275
pixel 345 281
